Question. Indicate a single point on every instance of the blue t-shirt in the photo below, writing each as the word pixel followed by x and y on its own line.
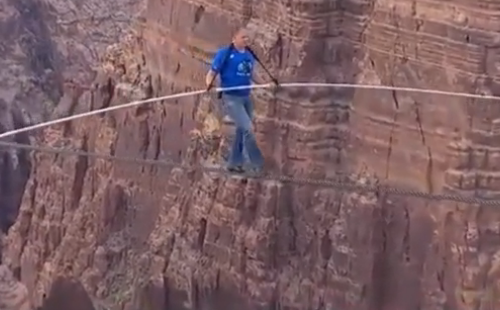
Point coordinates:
pixel 237 70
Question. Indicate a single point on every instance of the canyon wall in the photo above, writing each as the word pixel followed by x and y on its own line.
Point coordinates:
pixel 48 46
pixel 44 45
pixel 153 237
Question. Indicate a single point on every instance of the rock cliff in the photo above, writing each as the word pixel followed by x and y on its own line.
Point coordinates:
pixel 152 237
pixel 45 44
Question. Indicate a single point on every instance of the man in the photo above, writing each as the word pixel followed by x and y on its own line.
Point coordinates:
pixel 235 65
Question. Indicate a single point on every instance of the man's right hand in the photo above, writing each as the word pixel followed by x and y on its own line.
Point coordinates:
pixel 210 80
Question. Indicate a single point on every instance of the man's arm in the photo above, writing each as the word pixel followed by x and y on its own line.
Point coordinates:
pixel 252 77
pixel 209 78
pixel 214 67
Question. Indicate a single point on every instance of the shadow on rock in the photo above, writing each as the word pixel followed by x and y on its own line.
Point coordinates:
pixel 67 294
pixel 15 166
pixel 13 294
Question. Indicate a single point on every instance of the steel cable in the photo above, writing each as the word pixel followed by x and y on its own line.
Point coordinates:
pixel 333 183
pixel 340 183
pixel 254 86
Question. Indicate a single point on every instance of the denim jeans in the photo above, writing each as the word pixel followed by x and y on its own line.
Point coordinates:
pixel 240 109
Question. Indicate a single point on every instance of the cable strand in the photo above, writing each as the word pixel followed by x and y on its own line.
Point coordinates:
pixel 340 183
pixel 254 86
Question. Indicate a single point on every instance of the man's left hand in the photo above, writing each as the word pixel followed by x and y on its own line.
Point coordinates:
pixel 275 85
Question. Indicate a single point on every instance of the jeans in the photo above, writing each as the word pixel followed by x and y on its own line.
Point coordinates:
pixel 240 109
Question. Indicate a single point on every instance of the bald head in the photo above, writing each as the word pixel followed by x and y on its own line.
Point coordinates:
pixel 240 38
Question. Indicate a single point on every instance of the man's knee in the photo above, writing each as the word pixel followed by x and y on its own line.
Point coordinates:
pixel 246 131
pixel 244 124
pixel 236 110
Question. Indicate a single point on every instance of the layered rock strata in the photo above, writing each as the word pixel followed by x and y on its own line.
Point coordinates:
pixel 45 45
pixel 153 237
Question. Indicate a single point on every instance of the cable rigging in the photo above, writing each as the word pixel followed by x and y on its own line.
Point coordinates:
pixel 339 183
pixel 254 86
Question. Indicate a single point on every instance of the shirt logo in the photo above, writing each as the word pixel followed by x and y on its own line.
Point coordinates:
pixel 245 68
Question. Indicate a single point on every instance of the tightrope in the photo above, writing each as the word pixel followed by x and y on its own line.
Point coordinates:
pixel 340 183
pixel 254 86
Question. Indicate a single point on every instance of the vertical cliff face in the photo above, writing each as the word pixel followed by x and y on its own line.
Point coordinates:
pixel 152 237
pixel 14 295
pixel 435 255
pixel 43 45
pixel 14 167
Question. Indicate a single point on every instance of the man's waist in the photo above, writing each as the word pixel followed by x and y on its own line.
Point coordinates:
pixel 236 93
pixel 236 88
pixel 236 83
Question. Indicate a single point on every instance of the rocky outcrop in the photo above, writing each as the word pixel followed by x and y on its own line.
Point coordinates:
pixel 14 166
pixel 45 44
pixel 67 293
pixel 152 237
pixel 13 294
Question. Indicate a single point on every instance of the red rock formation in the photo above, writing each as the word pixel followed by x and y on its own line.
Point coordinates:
pixel 13 294
pixel 42 44
pixel 156 238
pixel 67 294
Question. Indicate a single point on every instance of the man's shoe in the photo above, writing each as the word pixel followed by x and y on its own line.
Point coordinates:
pixel 235 169
pixel 255 171
pixel 227 120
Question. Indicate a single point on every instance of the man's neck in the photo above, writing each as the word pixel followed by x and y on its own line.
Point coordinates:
pixel 239 48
